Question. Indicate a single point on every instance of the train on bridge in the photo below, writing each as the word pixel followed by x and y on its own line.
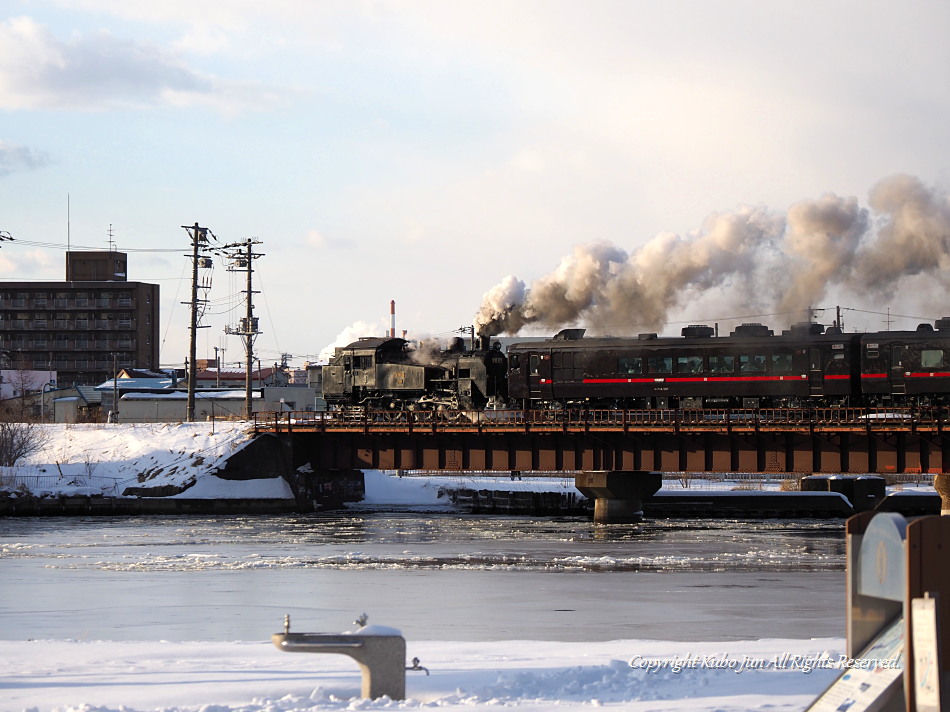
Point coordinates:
pixel 807 365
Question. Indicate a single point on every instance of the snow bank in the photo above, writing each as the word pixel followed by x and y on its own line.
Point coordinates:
pixel 105 459
pixel 522 675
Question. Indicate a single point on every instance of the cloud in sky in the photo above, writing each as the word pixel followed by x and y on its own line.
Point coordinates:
pixel 20 158
pixel 97 71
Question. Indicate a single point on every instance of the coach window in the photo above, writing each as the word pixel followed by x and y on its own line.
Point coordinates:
pixel 629 365
pixel 722 364
pixel 932 358
pixel 752 364
pixel 534 364
pixel 781 363
pixel 515 361
pixel 660 364
pixel 689 364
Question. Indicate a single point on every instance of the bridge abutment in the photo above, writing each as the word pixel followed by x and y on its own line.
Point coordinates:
pixel 618 494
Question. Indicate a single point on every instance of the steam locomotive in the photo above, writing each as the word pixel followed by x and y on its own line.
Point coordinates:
pixel 806 365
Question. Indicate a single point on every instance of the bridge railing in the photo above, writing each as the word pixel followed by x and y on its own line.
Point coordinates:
pixel 595 418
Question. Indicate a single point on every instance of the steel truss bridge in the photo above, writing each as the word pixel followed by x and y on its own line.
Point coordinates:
pixel 792 440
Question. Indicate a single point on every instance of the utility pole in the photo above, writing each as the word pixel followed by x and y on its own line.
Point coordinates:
pixel 242 258
pixel 199 243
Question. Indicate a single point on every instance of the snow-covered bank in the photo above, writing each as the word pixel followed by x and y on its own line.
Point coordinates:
pixel 78 459
pixel 523 675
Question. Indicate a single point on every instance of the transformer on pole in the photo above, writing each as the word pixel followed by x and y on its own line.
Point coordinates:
pixel 242 256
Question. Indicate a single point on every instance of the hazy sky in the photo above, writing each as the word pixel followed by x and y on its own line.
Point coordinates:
pixel 423 151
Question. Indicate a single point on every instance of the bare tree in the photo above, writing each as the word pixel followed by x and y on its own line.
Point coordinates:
pixel 20 433
pixel 19 440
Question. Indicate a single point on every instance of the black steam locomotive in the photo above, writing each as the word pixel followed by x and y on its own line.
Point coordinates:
pixel 387 373
pixel 806 365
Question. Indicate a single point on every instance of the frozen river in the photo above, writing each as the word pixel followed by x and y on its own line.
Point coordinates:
pixel 435 576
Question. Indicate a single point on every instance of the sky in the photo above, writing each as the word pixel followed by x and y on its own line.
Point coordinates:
pixel 425 152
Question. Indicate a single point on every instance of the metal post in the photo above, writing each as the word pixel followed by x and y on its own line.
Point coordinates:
pixel 115 390
pixel 193 342
pixel 249 339
pixel 198 236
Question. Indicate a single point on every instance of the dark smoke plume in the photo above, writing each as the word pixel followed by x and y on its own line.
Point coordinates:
pixel 790 259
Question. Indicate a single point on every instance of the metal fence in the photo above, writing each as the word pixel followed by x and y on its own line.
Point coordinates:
pixel 10 480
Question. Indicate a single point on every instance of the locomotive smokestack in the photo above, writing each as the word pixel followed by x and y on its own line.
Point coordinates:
pixel 392 319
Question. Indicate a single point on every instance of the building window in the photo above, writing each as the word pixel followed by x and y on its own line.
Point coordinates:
pixel 39 342
pixel 125 321
pixel 39 322
pixel 82 299
pixel 125 299
pixel 39 300
pixel 20 299
pixel 82 322
pixel 82 342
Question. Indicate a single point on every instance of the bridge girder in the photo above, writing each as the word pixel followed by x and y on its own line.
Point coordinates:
pixel 819 451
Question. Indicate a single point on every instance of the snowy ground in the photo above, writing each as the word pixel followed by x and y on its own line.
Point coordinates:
pixel 523 675
pixel 105 459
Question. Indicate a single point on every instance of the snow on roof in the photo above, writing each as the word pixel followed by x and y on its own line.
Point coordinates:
pixel 213 374
pixel 123 384
pixel 183 395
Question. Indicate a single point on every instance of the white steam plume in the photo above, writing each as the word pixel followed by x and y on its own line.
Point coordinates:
pixel 786 261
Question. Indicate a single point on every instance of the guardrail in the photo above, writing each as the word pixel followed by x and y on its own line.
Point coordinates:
pixel 712 419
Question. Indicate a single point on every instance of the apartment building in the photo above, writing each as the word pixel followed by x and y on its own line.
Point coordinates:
pixel 86 328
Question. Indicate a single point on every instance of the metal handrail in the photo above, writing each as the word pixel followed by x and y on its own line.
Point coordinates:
pixel 594 418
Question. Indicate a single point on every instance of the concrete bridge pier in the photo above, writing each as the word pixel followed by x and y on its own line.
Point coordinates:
pixel 618 494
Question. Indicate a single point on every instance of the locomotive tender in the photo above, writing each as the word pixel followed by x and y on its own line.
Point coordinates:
pixel 806 365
